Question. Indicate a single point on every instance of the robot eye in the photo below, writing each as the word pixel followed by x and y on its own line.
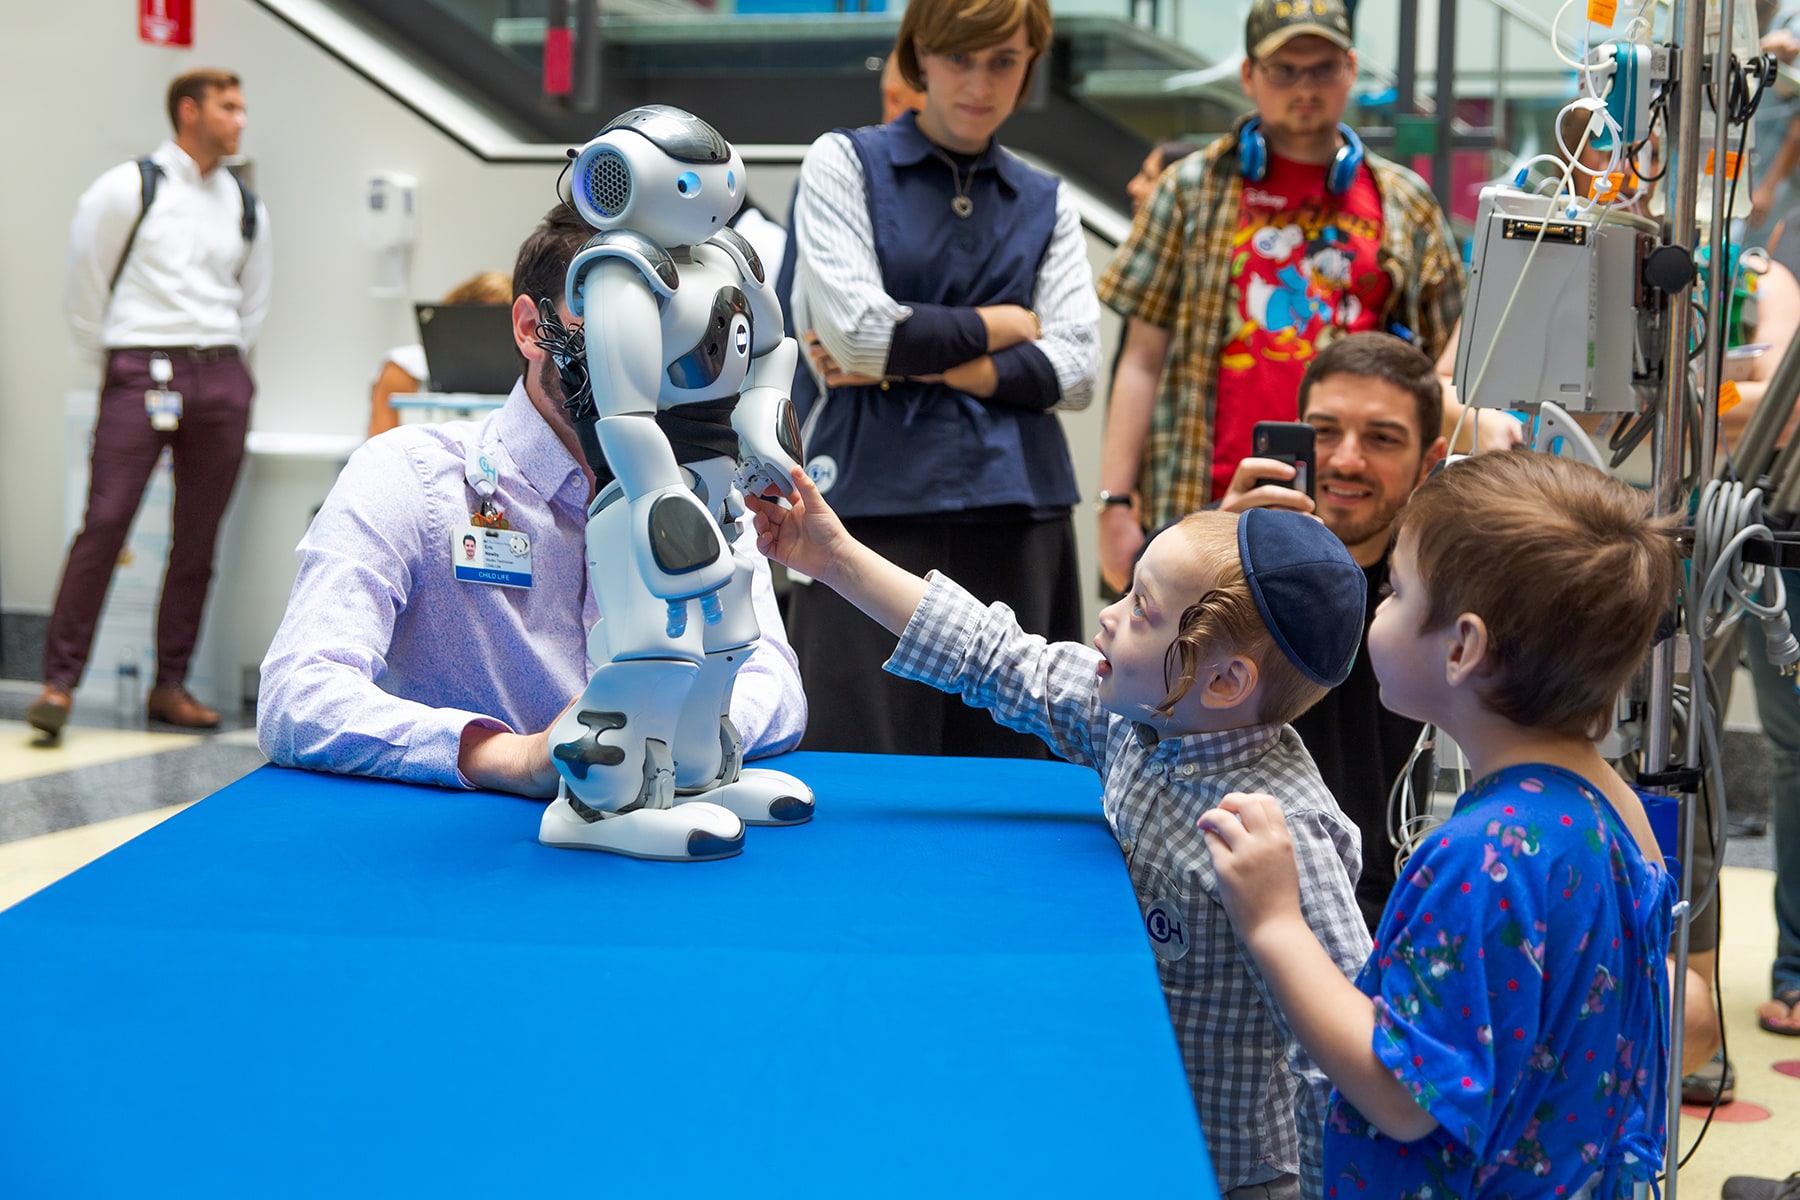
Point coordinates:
pixel 731 182
pixel 688 184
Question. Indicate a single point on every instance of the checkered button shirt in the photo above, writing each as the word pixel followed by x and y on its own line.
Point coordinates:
pixel 1174 271
pixel 1261 1100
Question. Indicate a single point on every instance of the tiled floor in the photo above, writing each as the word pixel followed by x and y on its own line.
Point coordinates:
pixel 1769 1148
pixel 108 780
pixel 105 781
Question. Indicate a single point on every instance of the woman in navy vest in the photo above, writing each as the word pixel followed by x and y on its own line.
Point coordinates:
pixel 949 286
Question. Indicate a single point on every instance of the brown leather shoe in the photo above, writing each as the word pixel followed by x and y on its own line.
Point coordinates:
pixel 50 711
pixel 172 704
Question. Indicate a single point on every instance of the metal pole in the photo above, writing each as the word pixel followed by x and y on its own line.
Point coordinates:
pixel 1718 295
pixel 1446 104
pixel 1719 272
pixel 1689 17
pixel 1756 445
pixel 1406 70
pixel 587 56
pixel 1668 435
pixel 1499 122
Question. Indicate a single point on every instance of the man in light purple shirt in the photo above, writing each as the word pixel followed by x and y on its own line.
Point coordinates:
pixel 386 664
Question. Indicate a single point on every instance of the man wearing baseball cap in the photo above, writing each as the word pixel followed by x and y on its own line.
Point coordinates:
pixel 1245 261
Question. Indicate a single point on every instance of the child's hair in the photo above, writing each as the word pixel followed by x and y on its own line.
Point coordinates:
pixel 1563 564
pixel 1225 618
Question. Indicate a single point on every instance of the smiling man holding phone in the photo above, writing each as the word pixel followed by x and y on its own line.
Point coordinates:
pixel 1375 409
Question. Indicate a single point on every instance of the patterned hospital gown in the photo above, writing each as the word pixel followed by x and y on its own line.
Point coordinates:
pixel 1521 996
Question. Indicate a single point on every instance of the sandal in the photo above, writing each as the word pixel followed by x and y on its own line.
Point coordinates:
pixel 1748 1187
pixel 1714 1078
pixel 1789 996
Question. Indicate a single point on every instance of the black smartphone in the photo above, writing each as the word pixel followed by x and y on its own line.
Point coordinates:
pixel 1289 442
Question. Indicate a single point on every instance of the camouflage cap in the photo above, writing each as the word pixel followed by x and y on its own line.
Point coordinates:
pixel 1273 23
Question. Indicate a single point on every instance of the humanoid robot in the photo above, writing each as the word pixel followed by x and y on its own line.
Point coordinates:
pixel 678 310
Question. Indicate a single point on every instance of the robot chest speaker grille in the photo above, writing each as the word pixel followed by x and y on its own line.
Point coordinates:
pixel 609 184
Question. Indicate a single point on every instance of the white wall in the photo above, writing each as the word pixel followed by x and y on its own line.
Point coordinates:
pixel 316 130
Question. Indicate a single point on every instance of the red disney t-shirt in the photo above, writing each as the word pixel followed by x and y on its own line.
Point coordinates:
pixel 1303 271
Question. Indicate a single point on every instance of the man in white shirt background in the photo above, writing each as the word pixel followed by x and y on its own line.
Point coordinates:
pixel 167 288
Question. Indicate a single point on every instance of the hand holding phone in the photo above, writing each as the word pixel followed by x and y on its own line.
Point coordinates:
pixel 1290 442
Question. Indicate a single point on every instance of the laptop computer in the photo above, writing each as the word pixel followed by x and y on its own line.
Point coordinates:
pixel 468 347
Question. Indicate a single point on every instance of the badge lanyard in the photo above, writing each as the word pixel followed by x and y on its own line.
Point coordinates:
pixel 161 402
pixel 488 550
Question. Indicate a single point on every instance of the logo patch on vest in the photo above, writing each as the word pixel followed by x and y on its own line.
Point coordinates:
pixel 824 472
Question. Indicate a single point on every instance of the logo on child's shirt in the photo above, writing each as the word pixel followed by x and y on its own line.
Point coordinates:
pixel 1168 936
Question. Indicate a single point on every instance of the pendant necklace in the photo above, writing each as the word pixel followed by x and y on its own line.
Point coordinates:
pixel 960 204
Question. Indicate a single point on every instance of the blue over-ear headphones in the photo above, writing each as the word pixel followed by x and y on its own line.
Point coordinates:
pixel 1253 157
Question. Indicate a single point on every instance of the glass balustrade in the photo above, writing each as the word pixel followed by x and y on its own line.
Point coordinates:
pixel 1123 73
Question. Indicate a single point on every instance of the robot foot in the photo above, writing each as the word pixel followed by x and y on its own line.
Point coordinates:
pixel 687 833
pixel 762 797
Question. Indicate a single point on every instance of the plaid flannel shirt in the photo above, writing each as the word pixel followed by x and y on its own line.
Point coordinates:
pixel 1261 1100
pixel 1174 271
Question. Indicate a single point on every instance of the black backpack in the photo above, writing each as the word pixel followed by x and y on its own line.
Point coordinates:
pixel 151 175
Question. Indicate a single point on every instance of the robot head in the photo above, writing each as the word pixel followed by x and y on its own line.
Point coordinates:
pixel 660 172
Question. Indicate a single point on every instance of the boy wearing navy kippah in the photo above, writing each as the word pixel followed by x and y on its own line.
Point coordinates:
pixel 1233 626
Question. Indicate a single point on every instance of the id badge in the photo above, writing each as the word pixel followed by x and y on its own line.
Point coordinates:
pixel 498 557
pixel 164 408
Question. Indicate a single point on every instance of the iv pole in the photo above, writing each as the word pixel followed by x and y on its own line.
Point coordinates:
pixel 1668 439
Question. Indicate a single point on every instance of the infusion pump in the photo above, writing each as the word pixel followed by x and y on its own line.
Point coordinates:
pixel 1558 309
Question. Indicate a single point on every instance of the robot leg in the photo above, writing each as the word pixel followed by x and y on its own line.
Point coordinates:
pixel 612 749
pixel 709 755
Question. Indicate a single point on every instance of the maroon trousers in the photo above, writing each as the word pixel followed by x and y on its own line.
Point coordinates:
pixel 207 450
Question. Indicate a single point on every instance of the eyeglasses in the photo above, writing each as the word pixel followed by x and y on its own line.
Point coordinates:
pixel 1282 75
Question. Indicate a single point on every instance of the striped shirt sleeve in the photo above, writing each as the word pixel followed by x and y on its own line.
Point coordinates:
pixel 836 266
pixel 1068 309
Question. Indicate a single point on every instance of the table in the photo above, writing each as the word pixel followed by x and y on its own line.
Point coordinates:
pixel 315 985
pixel 415 407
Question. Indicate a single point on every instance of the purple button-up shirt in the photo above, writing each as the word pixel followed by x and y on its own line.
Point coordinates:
pixel 383 658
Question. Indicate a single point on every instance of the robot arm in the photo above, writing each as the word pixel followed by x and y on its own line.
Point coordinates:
pixel 768 433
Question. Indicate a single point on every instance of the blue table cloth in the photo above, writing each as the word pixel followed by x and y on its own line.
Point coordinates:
pixel 315 985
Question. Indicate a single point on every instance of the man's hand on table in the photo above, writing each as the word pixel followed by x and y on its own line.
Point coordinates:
pixel 499 761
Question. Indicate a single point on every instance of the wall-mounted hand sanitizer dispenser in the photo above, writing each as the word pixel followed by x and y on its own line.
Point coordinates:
pixel 391 228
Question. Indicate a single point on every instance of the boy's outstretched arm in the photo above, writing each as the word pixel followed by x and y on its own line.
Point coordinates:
pixel 1260 886
pixel 809 538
